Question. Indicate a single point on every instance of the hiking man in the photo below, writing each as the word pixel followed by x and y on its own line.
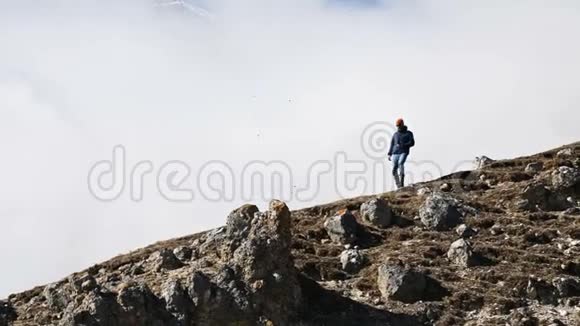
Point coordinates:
pixel 401 144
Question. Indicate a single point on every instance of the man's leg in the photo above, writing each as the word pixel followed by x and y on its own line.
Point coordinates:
pixel 396 159
pixel 402 159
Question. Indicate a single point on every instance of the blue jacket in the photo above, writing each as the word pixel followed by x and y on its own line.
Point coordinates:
pixel 402 141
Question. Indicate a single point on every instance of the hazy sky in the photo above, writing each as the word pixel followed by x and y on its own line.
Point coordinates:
pixel 295 81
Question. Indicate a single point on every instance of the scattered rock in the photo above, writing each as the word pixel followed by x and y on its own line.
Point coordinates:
pixel 342 228
pixel 522 317
pixel 400 283
pixel 377 212
pixel 83 283
pixel 461 253
pixel 136 269
pixel 183 253
pixel 496 229
pixel 423 191
pixel 534 167
pixel 440 212
pixel 177 302
pixel 445 187
pixel 239 221
pixel 164 259
pixel 465 231
pixel 565 177
pixel 352 260
pixel 538 196
pixel 567 286
pixel 566 152
pixel 199 286
pixel 134 296
pixel 540 290
pixel 97 308
pixel 244 273
pixel 56 296
pixel 482 161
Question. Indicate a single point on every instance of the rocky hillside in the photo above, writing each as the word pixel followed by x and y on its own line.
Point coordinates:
pixel 499 245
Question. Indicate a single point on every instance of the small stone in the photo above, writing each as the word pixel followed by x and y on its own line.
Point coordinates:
pixel 566 152
pixel 440 212
pixel 496 229
pixel 567 286
pixel 342 228
pixel 563 313
pixel 482 161
pixel 445 187
pixel 465 231
pixel 183 253
pixel 423 191
pixel 534 167
pixel 89 284
pixel 537 289
pixel 461 253
pixel 352 260
pixel 377 212
pixel 164 259
pixel 277 277
pixel 396 282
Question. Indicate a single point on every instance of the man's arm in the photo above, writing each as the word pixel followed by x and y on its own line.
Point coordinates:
pixel 411 141
pixel 392 145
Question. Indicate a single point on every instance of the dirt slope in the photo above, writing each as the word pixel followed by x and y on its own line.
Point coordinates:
pixel 523 269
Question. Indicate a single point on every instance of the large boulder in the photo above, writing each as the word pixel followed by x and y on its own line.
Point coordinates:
pixel 400 283
pixel 177 302
pixel 352 260
pixel 552 292
pixel 264 263
pixel 565 177
pixel 139 305
pixel 440 212
pixel 57 296
pixel 213 305
pixel 238 225
pixel 94 309
pixel 240 220
pixel 342 228
pixel 538 196
pixel 461 253
pixel 164 259
pixel 377 212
